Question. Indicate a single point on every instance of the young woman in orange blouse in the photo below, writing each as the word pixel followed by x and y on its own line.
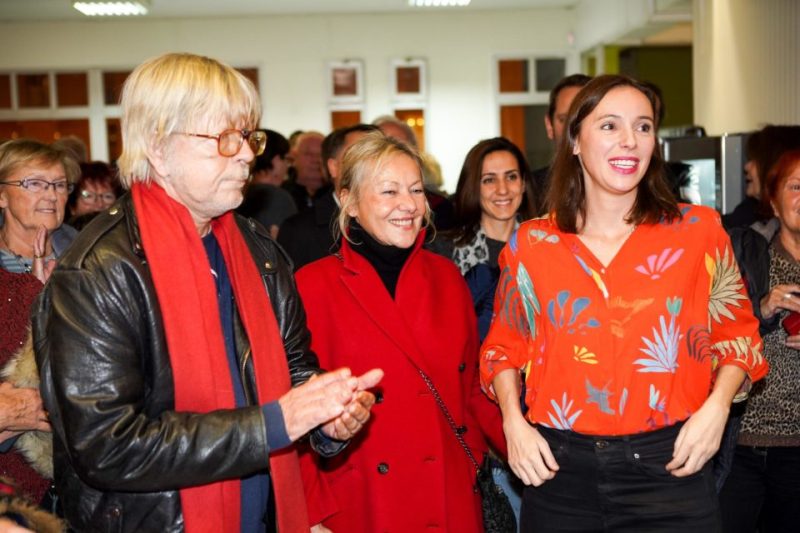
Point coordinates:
pixel 626 316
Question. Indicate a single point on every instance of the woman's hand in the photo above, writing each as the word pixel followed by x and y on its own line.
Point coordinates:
pixel 793 341
pixel 21 409
pixel 699 438
pixel 529 455
pixel 780 297
pixel 41 268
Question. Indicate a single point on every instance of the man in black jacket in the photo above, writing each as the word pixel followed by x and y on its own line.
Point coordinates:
pixel 171 341
pixel 308 235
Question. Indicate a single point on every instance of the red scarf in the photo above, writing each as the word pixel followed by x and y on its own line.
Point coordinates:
pixel 187 297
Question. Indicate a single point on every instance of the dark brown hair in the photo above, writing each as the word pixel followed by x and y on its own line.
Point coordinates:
pixel 777 175
pixel 468 191
pixel 566 198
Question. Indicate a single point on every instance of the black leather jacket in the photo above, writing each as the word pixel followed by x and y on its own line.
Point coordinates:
pixel 120 450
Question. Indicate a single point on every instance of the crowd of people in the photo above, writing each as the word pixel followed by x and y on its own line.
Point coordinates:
pixel 232 330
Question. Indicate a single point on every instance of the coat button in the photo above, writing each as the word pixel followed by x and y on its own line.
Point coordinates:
pixel 267 265
pixel 601 444
pixel 462 367
pixel 378 396
pixel 383 468
pixel 113 211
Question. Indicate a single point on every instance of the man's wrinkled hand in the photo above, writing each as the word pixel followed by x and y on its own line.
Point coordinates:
pixel 324 399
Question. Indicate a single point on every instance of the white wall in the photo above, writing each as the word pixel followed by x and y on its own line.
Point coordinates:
pixel 746 64
pixel 291 51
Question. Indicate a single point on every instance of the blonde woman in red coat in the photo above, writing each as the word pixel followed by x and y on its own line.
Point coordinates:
pixel 385 302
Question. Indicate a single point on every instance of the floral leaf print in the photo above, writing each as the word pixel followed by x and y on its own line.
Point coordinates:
pixel 510 303
pixel 657 404
pixel 578 305
pixel 529 300
pixel 623 401
pixel 600 397
pixel 537 235
pixel 560 418
pixel 698 343
pixel 559 320
pixel 654 403
pixel 512 242
pixel 663 348
pixel 658 264
pixel 740 348
pixel 726 287
pixel 594 275
pixel 583 355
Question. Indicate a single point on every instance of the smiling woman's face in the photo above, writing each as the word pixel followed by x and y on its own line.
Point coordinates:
pixel 616 141
pixel 391 204
pixel 28 211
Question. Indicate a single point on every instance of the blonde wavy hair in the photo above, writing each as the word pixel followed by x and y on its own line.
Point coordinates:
pixel 179 92
pixel 363 160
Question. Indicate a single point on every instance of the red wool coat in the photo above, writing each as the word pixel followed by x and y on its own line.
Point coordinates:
pixel 405 471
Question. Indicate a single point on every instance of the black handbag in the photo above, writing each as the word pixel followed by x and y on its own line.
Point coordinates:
pixel 498 516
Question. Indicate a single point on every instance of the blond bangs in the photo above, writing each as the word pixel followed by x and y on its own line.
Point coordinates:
pixel 180 92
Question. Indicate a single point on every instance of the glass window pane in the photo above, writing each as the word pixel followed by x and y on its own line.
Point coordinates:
pixel 415 118
pixel 45 131
pixel 513 75
pixel 251 74
pixel 114 136
pixel 548 73
pixel 112 86
pixel 408 80
pixel 344 82
pixel 5 91
pixel 72 89
pixel 342 119
pixel 33 90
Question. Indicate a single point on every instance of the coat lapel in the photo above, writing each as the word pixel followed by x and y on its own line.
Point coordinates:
pixel 369 292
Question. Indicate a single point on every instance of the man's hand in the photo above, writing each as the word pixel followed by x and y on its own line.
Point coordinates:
pixel 357 412
pixel 21 409
pixel 326 398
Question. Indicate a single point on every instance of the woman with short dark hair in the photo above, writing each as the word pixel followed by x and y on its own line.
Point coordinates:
pixel 620 310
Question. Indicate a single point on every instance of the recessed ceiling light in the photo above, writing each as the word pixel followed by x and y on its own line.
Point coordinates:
pixel 112 9
pixel 438 3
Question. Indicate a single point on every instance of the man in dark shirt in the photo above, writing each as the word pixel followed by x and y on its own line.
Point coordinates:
pixel 561 98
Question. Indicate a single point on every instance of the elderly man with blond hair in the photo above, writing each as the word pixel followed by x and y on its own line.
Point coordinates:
pixel 171 342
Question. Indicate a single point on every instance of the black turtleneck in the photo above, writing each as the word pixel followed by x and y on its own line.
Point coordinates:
pixel 387 260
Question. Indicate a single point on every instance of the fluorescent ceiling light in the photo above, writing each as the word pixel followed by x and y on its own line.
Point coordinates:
pixel 112 9
pixel 438 3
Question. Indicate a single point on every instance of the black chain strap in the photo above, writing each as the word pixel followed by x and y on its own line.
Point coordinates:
pixel 452 423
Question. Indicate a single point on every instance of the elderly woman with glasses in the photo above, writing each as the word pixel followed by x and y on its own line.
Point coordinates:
pixel 35 181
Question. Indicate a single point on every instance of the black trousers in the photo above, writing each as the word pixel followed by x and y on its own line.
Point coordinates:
pixel 619 484
pixel 762 492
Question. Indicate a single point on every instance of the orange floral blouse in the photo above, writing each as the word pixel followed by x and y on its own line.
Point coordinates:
pixel 625 348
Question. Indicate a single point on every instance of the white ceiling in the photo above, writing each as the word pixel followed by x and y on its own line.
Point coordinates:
pixel 40 10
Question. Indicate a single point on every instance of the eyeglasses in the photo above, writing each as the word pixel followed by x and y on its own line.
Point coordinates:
pixel 229 142
pixel 91 197
pixel 36 185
